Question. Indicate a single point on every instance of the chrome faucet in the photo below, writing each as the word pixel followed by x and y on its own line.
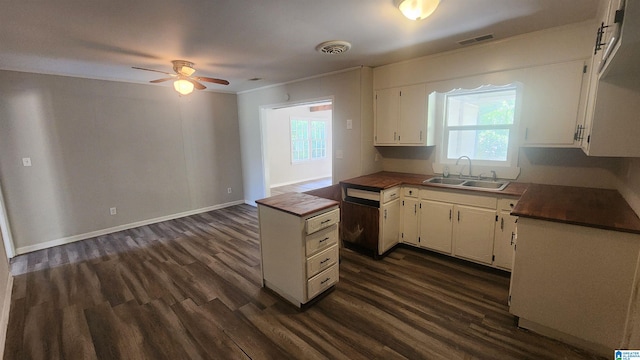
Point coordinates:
pixel 468 158
pixel 494 176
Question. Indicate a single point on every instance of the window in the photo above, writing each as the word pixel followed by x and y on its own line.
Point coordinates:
pixel 480 124
pixel 308 140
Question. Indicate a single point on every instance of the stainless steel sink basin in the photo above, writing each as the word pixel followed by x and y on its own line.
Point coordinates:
pixel 495 185
pixel 444 181
pixel 456 182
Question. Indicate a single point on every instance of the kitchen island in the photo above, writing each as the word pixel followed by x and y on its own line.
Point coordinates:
pixel 576 275
pixel 299 245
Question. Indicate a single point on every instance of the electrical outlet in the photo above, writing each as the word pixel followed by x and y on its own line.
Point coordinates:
pixel 112 211
pixel 26 161
pixel 349 124
pixel 228 190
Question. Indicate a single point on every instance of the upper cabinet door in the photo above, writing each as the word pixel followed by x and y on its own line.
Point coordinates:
pixel 552 106
pixel 386 117
pixel 412 124
pixel 401 117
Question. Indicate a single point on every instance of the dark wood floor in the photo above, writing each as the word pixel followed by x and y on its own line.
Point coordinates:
pixel 301 186
pixel 190 289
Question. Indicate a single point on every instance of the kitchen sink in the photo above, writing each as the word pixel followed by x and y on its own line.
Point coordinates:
pixel 456 182
pixel 444 181
pixel 495 185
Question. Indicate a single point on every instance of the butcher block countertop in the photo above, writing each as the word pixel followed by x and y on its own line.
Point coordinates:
pixel 385 180
pixel 298 204
pixel 598 208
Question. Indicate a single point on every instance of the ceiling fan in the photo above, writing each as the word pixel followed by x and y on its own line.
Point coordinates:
pixel 184 81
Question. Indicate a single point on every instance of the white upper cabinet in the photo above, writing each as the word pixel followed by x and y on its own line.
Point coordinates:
pixel 553 103
pixel 401 117
pixel 613 104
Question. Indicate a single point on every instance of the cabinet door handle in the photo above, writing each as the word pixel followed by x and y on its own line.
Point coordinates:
pixel 385 213
pixel 450 214
pixel 458 216
pixel 501 223
pixel 512 236
pixel 415 208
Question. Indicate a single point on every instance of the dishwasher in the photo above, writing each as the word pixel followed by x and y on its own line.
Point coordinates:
pixel 370 219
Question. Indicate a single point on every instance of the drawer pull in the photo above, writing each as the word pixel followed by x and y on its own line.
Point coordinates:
pixel 324 261
pixel 323 240
pixel 326 221
pixel 324 281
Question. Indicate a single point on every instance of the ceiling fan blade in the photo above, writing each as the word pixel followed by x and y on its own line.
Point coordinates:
pixel 160 80
pixel 158 71
pixel 196 84
pixel 211 80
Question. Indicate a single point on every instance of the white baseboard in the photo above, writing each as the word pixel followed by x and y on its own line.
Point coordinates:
pixel 74 238
pixel 4 316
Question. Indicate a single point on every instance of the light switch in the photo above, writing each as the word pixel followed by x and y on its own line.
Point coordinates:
pixel 26 161
pixel 349 124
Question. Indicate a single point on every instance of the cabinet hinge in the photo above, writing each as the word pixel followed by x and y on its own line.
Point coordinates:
pixel 402 202
pixel 584 69
pixel 509 301
pixel 402 235
pixel 588 138
pixel 400 92
pixel 493 258
pixel 418 238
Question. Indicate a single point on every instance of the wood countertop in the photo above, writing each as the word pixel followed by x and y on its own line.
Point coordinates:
pixel 598 208
pixel 385 180
pixel 298 204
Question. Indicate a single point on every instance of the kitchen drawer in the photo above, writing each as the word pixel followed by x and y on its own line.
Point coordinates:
pixel 322 221
pixel 322 281
pixel 390 194
pixel 410 192
pixel 507 204
pixel 363 194
pixel 321 261
pixel 321 239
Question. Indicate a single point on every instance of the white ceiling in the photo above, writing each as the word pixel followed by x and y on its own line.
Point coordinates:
pixel 239 40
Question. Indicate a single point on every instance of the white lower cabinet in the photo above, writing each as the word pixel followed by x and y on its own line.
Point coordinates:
pixel 473 233
pixel 409 216
pixel 475 227
pixel 389 225
pixel 503 246
pixel 436 226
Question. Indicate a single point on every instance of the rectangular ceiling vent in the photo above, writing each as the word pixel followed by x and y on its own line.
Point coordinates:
pixel 476 39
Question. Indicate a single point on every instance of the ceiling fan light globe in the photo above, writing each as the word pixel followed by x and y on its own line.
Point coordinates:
pixel 188 71
pixel 417 9
pixel 182 86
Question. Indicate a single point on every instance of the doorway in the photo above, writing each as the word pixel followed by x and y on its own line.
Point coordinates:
pixel 298 143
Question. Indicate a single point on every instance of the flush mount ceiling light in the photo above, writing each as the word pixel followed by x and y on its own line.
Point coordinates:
pixel 184 87
pixel 417 9
pixel 333 47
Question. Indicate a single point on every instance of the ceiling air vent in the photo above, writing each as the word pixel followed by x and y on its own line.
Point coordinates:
pixel 333 47
pixel 476 39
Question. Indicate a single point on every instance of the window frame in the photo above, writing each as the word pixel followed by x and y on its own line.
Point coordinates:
pixel 309 139
pixel 506 169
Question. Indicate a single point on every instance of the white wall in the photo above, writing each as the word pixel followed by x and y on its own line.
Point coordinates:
pixel 549 166
pixel 282 170
pixel 352 99
pixel 100 144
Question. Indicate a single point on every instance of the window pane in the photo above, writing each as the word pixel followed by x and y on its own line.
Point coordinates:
pixel 299 140
pixel 481 108
pixel 318 140
pixel 479 144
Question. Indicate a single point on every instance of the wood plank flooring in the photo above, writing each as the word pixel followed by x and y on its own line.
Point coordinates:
pixel 301 186
pixel 190 289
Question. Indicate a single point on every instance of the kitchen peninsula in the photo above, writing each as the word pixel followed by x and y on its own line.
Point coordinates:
pixel 576 275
